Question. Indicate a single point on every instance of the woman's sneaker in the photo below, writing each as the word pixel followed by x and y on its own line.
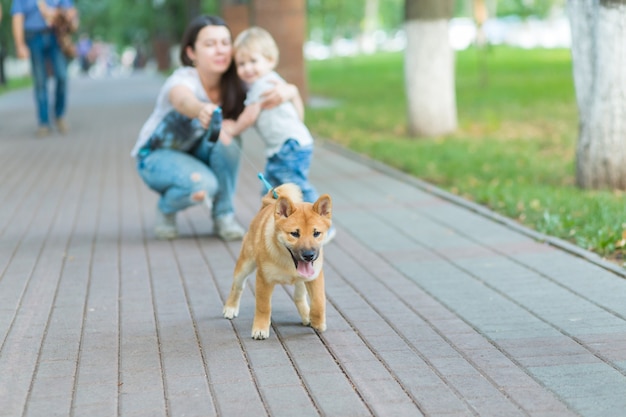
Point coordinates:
pixel 227 228
pixel 62 126
pixel 165 226
pixel 43 131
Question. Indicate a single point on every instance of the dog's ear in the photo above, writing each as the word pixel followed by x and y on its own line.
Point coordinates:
pixel 284 207
pixel 323 206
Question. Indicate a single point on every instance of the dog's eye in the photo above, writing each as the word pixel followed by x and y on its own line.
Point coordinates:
pixel 316 233
pixel 295 234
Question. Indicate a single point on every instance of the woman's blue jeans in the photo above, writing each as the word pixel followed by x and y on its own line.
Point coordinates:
pixel 176 175
pixel 44 50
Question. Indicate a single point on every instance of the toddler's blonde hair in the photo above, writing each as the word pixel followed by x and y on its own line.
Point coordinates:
pixel 257 40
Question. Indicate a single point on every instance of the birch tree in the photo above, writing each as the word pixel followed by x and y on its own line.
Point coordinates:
pixel 429 68
pixel 598 30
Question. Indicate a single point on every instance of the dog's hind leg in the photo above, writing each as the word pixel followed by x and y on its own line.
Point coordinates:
pixel 243 268
pixel 299 297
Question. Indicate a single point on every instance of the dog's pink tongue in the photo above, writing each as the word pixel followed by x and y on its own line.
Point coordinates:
pixel 305 269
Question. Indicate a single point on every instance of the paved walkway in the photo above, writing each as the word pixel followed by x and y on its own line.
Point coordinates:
pixel 435 308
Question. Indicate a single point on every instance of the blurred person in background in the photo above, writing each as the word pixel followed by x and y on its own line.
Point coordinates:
pixel 35 37
pixel 83 50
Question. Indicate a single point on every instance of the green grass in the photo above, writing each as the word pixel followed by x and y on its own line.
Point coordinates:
pixel 15 84
pixel 514 150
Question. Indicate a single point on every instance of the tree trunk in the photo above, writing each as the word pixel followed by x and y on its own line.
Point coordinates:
pixel 370 25
pixel 236 15
pixel 286 21
pixel 599 58
pixel 429 68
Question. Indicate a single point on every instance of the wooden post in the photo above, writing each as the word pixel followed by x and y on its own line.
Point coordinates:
pixel 237 16
pixel 286 21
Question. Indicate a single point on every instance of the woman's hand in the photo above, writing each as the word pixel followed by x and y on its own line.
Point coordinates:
pixel 22 51
pixel 281 93
pixel 72 17
pixel 205 114
pixel 226 136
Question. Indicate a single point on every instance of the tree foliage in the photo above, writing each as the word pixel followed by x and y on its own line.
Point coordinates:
pixel 330 19
pixel 526 8
pixel 125 22
pixel 6 40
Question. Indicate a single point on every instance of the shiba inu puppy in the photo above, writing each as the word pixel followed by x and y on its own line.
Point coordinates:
pixel 285 244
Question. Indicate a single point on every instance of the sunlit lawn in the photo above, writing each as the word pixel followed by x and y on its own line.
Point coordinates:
pixel 514 148
pixel 15 84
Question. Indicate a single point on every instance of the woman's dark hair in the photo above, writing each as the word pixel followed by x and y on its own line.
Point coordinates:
pixel 232 89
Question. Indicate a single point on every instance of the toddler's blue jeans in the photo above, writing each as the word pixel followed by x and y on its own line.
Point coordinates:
pixel 291 164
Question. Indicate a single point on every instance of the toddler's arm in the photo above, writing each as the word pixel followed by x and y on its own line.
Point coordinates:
pixel 246 119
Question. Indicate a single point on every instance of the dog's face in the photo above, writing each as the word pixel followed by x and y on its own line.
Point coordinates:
pixel 302 228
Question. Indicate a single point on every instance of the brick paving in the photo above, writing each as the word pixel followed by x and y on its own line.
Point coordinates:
pixel 435 307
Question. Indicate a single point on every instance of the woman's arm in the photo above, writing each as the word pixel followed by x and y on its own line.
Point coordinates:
pixel 281 93
pixel 18 36
pixel 298 104
pixel 185 102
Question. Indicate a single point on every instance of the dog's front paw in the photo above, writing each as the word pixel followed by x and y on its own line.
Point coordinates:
pixel 320 327
pixel 260 334
pixel 230 312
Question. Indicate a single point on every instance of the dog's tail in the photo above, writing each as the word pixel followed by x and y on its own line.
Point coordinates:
pixel 289 190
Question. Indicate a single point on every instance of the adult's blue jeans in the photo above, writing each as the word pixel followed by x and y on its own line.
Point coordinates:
pixel 176 175
pixel 44 49
pixel 291 164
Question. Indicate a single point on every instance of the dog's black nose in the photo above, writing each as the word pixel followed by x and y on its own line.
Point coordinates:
pixel 308 255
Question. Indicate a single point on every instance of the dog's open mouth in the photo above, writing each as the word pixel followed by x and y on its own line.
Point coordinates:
pixel 304 268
